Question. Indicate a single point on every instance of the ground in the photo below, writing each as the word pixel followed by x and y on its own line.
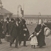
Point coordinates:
pixel 5 45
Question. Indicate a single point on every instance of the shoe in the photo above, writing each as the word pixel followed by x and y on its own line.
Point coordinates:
pixel 24 45
pixel 16 46
pixel 10 45
pixel 34 46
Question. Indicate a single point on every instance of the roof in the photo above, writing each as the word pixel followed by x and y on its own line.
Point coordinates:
pixel 3 11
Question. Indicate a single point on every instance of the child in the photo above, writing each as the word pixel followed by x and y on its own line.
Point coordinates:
pixel 33 41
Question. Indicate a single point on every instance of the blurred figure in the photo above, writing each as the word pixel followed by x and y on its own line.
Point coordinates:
pixel 40 33
pixel 21 30
pixel 24 33
pixel 1 30
pixel 3 33
pixel 14 32
pixel 11 23
pixel 7 26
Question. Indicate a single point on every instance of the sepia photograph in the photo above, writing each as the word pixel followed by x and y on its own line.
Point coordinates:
pixel 25 25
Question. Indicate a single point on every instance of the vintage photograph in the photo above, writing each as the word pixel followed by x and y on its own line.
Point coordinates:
pixel 25 25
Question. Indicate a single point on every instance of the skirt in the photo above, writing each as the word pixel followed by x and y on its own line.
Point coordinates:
pixel 34 41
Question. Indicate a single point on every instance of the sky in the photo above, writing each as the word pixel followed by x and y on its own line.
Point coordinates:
pixel 31 7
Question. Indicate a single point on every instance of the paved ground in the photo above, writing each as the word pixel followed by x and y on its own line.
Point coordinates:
pixel 5 46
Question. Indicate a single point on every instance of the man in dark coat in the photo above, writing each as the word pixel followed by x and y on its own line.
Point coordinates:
pixel 11 23
pixel 14 32
pixel 21 31
pixel 7 26
pixel 24 33
pixel 1 30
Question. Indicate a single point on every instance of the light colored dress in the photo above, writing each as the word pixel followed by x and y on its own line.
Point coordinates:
pixel 33 40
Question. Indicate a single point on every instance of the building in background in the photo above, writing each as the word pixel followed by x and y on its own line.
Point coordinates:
pixel 33 19
pixel 3 12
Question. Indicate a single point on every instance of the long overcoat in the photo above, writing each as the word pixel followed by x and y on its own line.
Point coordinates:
pixel 41 36
pixel 23 32
pixel 14 31
pixel 1 29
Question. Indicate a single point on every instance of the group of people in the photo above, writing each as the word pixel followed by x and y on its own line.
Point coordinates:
pixel 18 31
pixel 38 36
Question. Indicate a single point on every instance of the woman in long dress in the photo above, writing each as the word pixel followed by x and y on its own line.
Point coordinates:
pixel 41 36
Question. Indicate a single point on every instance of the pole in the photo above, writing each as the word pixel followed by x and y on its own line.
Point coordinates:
pixel 23 10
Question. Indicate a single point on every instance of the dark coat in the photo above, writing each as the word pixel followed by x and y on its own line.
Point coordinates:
pixel 14 31
pixel 24 32
pixel 6 27
pixel 10 26
pixel 41 36
pixel 1 29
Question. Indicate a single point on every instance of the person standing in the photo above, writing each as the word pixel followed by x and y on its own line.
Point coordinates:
pixel 14 32
pixel 11 23
pixel 21 31
pixel 7 26
pixel 1 30
pixel 24 32
pixel 7 23
pixel 40 31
